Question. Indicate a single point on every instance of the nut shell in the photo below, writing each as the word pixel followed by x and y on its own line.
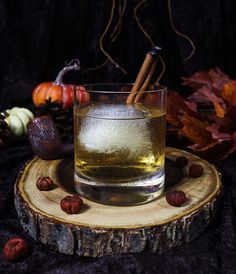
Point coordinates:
pixel 44 183
pixel 71 204
pixel 195 171
pixel 175 197
pixel 15 249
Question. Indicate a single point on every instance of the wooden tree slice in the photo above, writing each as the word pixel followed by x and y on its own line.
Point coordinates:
pixel 102 230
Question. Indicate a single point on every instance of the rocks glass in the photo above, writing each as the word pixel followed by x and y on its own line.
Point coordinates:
pixel 119 143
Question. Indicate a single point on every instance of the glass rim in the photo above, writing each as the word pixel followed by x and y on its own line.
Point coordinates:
pixel 160 88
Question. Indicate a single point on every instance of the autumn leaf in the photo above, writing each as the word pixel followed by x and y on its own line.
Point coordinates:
pixel 213 79
pixel 217 135
pixel 205 96
pixel 229 92
pixel 215 152
pixel 197 80
pixel 203 135
pixel 227 123
pixel 205 149
pixel 207 117
pixel 196 131
pixel 176 106
pixel 218 79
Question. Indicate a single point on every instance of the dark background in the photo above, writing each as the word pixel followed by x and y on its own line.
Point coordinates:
pixel 38 36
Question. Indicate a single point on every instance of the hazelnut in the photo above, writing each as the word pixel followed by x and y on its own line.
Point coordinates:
pixel 175 197
pixel 71 204
pixel 195 171
pixel 15 249
pixel 181 161
pixel 44 183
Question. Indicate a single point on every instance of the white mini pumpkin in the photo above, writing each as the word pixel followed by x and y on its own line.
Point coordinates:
pixel 17 120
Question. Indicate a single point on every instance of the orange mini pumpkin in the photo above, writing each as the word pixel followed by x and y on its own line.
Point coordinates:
pixel 57 91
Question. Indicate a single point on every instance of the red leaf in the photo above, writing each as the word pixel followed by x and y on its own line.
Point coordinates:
pixel 176 106
pixel 216 134
pixel 192 105
pixel 197 80
pixel 229 92
pixel 214 79
pixel 218 79
pixel 205 95
pixel 196 131
pixel 199 96
pixel 205 149
pixel 212 135
pixel 227 123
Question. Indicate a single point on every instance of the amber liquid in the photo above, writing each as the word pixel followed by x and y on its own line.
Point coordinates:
pixel 119 160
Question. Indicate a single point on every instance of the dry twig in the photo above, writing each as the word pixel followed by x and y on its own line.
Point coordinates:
pixel 180 33
pixel 149 38
pixel 115 34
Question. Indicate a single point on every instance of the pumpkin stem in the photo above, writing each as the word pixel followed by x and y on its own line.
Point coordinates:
pixel 72 65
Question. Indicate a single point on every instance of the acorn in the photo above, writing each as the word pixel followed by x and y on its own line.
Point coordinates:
pixel 15 249
pixel 71 204
pixel 44 183
pixel 175 197
pixel 195 171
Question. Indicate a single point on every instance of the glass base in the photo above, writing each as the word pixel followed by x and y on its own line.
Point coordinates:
pixel 123 194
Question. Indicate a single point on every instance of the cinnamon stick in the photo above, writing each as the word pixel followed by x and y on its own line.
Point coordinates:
pixel 146 83
pixel 144 75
